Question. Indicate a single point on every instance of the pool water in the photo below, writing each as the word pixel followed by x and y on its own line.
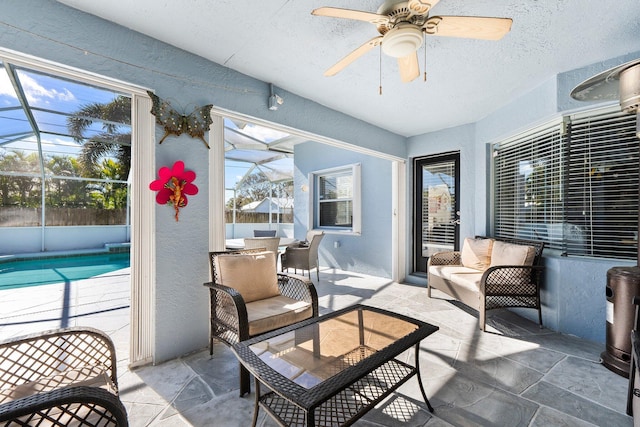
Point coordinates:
pixel 42 271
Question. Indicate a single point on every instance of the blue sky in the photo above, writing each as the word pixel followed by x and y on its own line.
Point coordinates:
pixel 52 95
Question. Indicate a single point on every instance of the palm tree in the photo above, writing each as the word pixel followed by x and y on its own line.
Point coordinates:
pixel 19 190
pixel 109 142
pixel 111 195
pixel 62 192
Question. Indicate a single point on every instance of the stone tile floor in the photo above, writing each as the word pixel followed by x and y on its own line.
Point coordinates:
pixel 515 374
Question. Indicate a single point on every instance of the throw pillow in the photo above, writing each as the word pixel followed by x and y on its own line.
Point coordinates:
pixel 476 253
pixel 504 253
pixel 254 276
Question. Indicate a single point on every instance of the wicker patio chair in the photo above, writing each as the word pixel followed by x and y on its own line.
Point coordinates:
pixel 268 243
pixel 305 256
pixel 248 298
pixel 65 377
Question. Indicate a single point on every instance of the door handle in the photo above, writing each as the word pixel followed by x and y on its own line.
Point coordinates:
pixel 456 221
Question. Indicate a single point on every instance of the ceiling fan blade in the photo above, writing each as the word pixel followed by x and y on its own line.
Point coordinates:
pixel 366 47
pixel 409 68
pixel 335 12
pixel 472 27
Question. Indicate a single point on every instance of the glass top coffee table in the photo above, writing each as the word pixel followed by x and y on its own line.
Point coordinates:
pixel 330 370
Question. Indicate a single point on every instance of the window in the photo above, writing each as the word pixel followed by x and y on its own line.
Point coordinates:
pixel 527 184
pixel 573 184
pixel 337 199
pixel 602 184
pixel 65 151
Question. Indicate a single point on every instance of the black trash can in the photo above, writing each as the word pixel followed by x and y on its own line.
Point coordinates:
pixel 623 283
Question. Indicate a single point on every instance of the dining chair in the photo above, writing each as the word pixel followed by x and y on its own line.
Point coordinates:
pixel 270 244
pixel 305 255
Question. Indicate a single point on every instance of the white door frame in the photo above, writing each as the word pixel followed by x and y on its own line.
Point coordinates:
pixel 217 187
pixel 142 202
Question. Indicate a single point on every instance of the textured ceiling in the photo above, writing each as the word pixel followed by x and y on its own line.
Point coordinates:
pixel 280 42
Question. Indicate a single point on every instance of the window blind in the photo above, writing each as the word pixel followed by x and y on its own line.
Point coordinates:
pixel 572 184
pixel 528 183
pixel 438 201
pixel 602 184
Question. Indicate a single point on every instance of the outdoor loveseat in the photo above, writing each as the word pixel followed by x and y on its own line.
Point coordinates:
pixel 489 274
pixel 65 377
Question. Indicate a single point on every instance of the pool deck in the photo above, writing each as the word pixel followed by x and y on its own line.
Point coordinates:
pixel 515 374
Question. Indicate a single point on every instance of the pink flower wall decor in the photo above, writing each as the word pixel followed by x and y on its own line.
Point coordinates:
pixel 173 185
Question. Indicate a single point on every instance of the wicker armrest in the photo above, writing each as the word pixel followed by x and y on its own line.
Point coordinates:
pixel 446 258
pixel 87 406
pixel 229 311
pixel 223 291
pixel 230 292
pixel 28 358
pixel 299 288
pixel 511 279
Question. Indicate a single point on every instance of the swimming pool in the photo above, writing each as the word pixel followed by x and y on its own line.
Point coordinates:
pixel 41 271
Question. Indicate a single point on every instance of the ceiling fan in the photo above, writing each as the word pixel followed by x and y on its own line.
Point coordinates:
pixel 403 25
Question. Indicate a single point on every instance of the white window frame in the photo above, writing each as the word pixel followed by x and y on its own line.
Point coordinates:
pixel 314 216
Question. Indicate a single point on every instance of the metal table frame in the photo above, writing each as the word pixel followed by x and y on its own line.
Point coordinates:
pixel 370 377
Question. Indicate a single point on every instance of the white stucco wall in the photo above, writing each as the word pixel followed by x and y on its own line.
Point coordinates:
pixel 370 251
pixel 460 139
pixel 16 240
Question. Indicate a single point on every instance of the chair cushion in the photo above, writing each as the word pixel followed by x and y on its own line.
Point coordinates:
pixel 275 312
pixel 254 276
pixel 504 253
pixel 447 271
pixel 470 281
pixel 91 376
pixel 476 253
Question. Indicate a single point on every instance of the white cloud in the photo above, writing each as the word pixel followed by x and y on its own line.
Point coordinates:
pixel 36 93
pixel 6 88
pixel 263 133
pixel 59 142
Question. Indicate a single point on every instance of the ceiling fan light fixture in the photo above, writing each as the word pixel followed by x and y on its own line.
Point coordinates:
pixel 402 41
